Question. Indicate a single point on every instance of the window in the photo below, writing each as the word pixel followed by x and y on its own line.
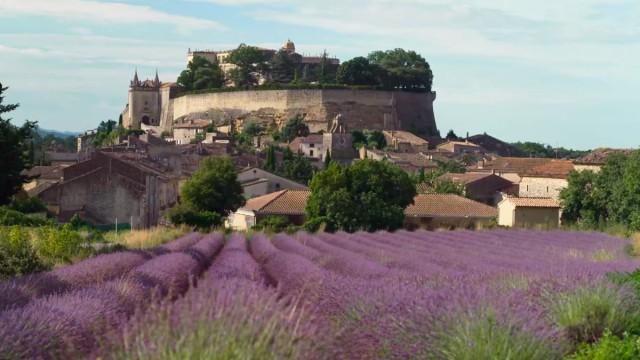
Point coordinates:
pixel 310 152
pixel 277 185
pixel 311 145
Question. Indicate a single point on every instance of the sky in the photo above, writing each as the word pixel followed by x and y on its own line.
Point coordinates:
pixel 564 73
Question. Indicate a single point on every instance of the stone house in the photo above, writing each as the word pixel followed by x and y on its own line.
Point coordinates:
pixel 109 188
pixel 434 211
pixel 405 142
pixel 483 187
pixel 459 147
pixel 287 203
pixel 429 211
pixel 538 213
pixel 257 182
pixel 186 132
pixel 311 146
pixel 409 162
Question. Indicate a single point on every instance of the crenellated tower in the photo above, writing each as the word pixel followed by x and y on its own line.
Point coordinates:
pixel 145 103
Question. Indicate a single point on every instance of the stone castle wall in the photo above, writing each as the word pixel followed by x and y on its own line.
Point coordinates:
pixel 361 109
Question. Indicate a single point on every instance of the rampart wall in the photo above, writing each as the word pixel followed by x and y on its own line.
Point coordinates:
pixel 361 109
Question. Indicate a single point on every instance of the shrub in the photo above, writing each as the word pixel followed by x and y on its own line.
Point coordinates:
pixel 59 245
pixel 147 238
pixel 27 205
pixel 587 312
pixel 10 217
pixel 273 223
pixel 17 256
pixel 479 335
pixel 203 220
pixel 610 347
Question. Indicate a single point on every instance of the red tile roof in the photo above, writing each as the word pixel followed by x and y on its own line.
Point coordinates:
pixel 284 202
pixel 535 167
pixel 448 205
pixel 533 202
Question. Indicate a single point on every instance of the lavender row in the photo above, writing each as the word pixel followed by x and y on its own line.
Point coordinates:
pixel 19 291
pixel 71 324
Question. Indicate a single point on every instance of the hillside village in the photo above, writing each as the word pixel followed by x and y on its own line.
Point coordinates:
pixel 276 200
pixel 136 177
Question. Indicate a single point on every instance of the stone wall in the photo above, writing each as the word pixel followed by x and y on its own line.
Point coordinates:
pixel 542 187
pixel 361 109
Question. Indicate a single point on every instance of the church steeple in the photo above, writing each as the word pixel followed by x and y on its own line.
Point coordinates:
pixel 156 81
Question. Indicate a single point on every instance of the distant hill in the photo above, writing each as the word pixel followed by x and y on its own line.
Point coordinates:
pixel 57 133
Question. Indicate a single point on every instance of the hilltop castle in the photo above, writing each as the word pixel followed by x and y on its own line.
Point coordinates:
pixel 160 107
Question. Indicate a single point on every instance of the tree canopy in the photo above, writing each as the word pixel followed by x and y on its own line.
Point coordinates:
pixel 250 62
pixel 405 69
pixel 201 74
pixel 359 71
pixel 368 195
pixel 370 139
pixel 15 143
pixel 283 68
pixel 611 196
pixel 534 149
pixel 212 193
pixel 295 127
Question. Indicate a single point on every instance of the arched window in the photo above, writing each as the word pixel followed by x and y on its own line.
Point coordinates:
pixel 145 120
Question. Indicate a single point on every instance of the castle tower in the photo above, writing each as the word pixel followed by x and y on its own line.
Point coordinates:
pixel 144 107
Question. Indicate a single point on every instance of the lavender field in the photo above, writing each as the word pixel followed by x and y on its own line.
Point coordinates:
pixel 404 295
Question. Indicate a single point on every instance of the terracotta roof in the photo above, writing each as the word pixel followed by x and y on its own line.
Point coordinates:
pixel 448 205
pixel 465 178
pixel 533 202
pixel 284 202
pixel 539 167
pixel 405 136
pixel 553 168
pixel 193 124
pixel 465 143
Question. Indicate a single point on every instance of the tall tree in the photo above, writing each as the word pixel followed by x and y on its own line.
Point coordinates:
pixel 283 67
pixel 368 195
pixel 326 73
pixel 358 71
pixel 214 187
pixel 405 69
pixel 294 127
pixel 14 147
pixel 250 64
pixel 201 74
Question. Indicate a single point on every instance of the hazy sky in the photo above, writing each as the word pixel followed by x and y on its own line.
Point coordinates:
pixel 560 72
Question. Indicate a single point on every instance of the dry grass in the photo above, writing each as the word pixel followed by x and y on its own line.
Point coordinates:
pixel 635 244
pixel 148 238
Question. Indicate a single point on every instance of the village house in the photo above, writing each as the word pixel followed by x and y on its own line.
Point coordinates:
pixel 429 211
pixel 287 203
pixel 496 146
pixel 537 213
pixel 409 162
pixel 257 182
pixel 447 211
pixel 459 147
pixel 405 142
pixel 110 189
pixel 189 131
pixel 311 146
pixel 483 187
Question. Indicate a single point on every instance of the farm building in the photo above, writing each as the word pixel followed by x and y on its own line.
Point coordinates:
pixel 433 211
pixel 543 213
pixel 483 187
pixel 257 182
pixel 288 203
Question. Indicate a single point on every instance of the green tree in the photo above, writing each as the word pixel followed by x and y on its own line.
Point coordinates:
pixel 327 158
pixel 270 162
pixel 253 129
pixel 293 128
pixel 201 74
pixel 447 187
pixel 326 72
pixel 298 168
pixel 283 67
pixel 358 139
pixel 358 71
pixel 17 256
pixel 14 151
pixel 451 135
pixel 376 139
pixel 250 63
pixel 404 69
pixel 212 193
pixel 578 202
pixel 368 195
